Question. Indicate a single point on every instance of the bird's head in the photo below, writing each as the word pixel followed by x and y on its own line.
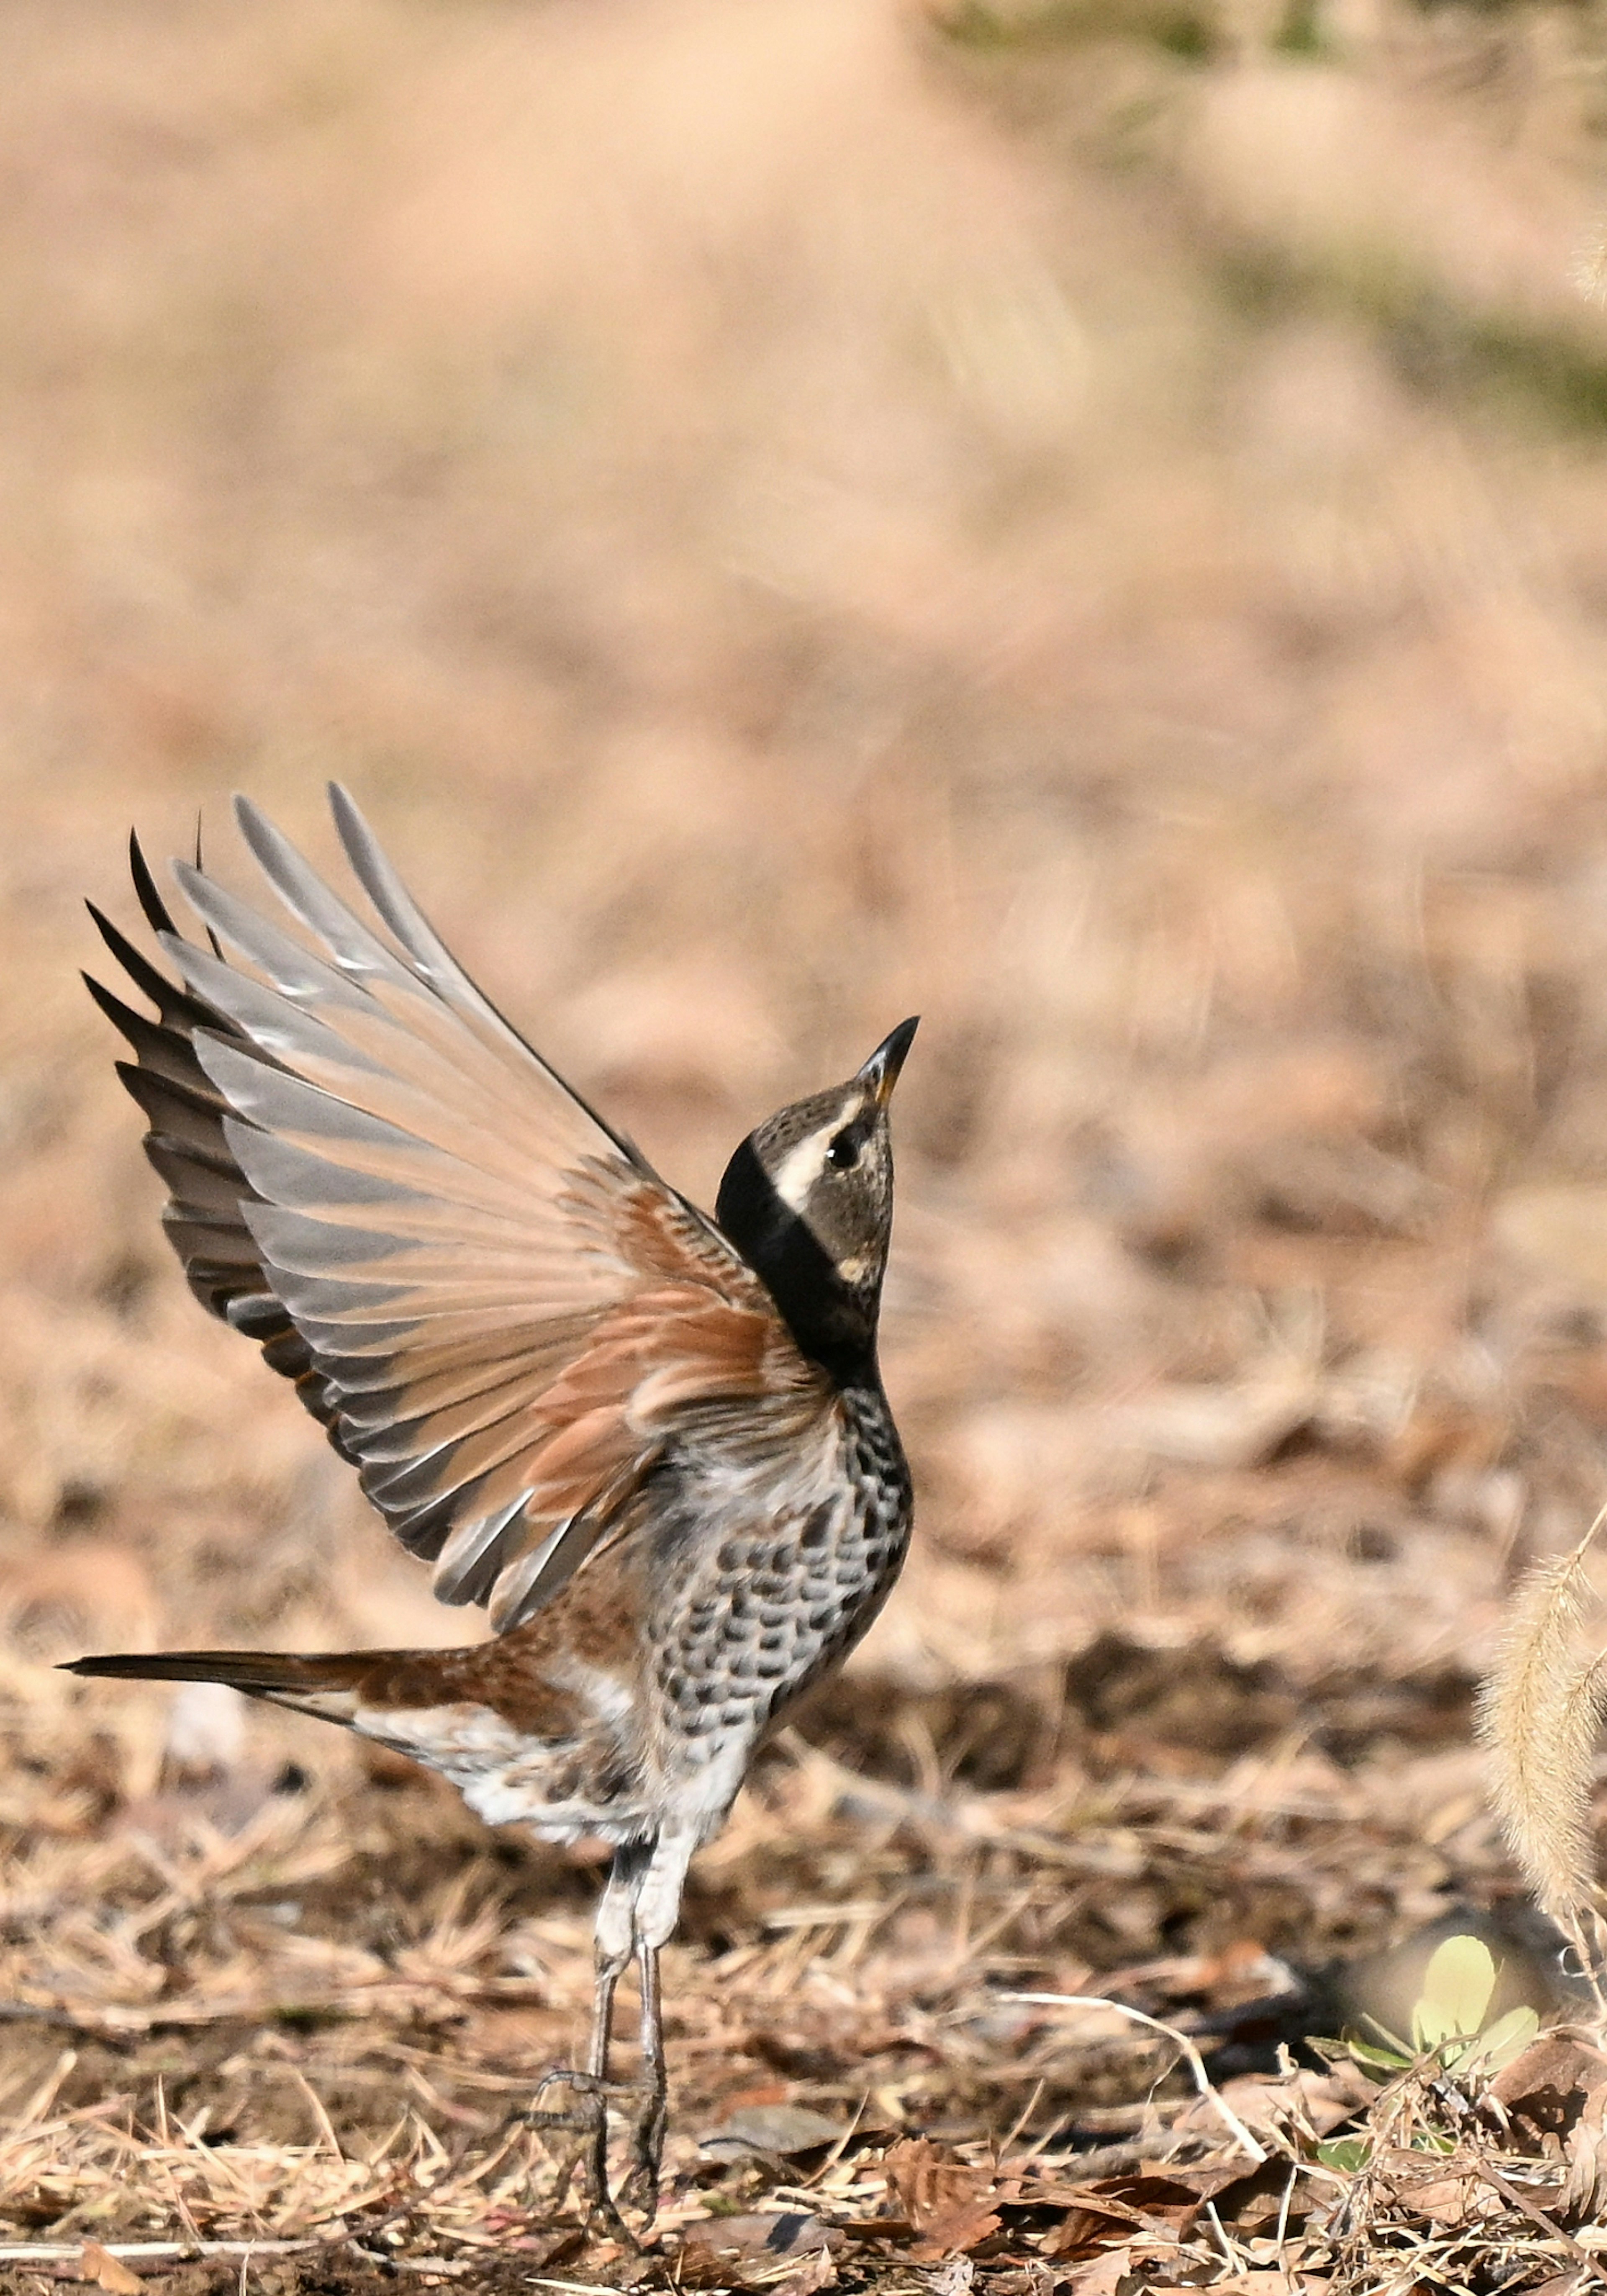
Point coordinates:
pixel 807 1199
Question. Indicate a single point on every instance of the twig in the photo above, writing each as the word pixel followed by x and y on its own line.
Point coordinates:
pixel 1023 2117
pixel 841 2146
pixel 1196 2062
pixel 319 2110
pixel 1282 2232
pixel 1234 2264
pixel 1536 2215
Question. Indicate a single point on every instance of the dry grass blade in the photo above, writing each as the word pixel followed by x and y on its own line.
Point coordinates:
pixel 1186 2048
pixel 1540 1715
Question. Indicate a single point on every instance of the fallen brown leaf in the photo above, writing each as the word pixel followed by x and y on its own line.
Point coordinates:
pixel 948 2204
pixel 780 2235
pixel 1105 2275
pixel 697 2266
pixel 108 2271
pixel 1554 2096
pixel 819 2270
pixel 1448 2200
pixel 779 2129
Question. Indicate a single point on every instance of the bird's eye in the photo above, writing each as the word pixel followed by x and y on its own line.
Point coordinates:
pixel 843 1152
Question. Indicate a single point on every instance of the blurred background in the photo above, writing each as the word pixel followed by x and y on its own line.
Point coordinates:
pixel 1083 519
pixel 1086 522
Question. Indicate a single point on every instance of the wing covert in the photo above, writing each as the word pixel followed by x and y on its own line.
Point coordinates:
pixel 498 1310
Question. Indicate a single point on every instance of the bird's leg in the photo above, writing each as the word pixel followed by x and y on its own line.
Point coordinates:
pixel 658 1909
pixel 647 2130
pixel 587 2115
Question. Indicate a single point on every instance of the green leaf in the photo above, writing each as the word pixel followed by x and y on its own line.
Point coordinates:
pixel 1499 2042
pixel 1456 1988
pixel 1388 2060
pixel 1346 2153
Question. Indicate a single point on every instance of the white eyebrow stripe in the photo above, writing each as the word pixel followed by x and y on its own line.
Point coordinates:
pixel 803 1165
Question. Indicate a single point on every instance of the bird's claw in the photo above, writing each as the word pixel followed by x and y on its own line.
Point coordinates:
pixel 587 2117
pixel 640 2189
pixel 590 2085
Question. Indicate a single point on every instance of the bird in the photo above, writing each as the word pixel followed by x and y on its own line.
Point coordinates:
pixel 655 1445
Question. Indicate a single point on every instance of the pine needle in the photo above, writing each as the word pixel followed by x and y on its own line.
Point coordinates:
pixel 1540 1714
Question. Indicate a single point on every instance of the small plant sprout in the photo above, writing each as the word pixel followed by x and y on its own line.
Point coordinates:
pixel 1450 2043
pixel 1448 2019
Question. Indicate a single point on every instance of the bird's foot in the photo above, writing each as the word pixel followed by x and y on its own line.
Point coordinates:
pixel 586 2118
pixel 640 2189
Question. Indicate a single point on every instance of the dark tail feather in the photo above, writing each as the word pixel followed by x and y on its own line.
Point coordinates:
pixel 317 1685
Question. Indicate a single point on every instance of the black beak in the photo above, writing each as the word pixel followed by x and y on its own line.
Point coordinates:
pixel 881 1072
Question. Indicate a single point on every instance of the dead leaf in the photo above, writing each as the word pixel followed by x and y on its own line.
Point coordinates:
pixel 1586 2154
pixel 1555 2089
pixel 1203 2180
pixel 698 2267
pixel 819 2270
pixel 1448 2200
pixel 956 2279
pixel 1149 2198
pixel 1105 2275
pixel 788 2233
pixel 1081 2231
pixel 947 2203
pixel 777 2131
pixel 1032 2278
pixel 782 2130
pixel 756 2252
pixel 108 2271
pixel 1555 2059
pixel 955 2231
pixel 1312 2102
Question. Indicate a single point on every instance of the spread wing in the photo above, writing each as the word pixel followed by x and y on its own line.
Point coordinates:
pixel 499 1311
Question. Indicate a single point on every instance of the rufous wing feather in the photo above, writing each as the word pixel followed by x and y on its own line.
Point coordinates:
pixel 501 1313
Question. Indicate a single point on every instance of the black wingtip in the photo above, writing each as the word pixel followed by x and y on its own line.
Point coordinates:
pixel 201 871
pixel 120 1015
pixel 144 885
pixel 161 991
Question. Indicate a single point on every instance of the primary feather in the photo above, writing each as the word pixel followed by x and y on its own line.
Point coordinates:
pixel 500 1312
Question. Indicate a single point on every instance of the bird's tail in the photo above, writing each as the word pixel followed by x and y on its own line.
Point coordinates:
pixel 518 1745
pixel 330 1687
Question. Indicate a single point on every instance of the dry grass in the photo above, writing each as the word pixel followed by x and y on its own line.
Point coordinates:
pixel 1090 523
